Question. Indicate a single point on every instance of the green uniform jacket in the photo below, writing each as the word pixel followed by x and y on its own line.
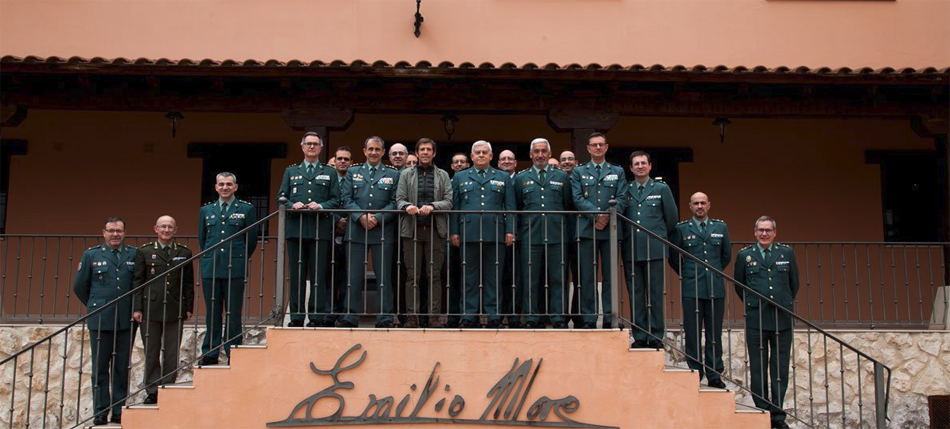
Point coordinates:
pixel 776 279
pixel 102 278
pixel 592 192
pixel 228 260
pixel 170 298
pixel 713 247
pixel 494 191
pixel 323 188
pixel 554 194
pixel 361 193
pixel 654 210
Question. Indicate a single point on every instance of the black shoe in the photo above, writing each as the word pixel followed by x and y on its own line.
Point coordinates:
pixel 118 420
pixel 516 324
pixel 295 324
pixel 313 324
pixel 589 325
pixel 208 360
pixel 151 399
pixel 344 324
pixel 470 324
pixel 495 324
pixel 100 420
pixel 560 325
pixel 454 324
pixel 779 424
pixel 655 344
pixel 640 344
pixel 529 325
pixel 717 383
pixel 386 325
pixel 327 323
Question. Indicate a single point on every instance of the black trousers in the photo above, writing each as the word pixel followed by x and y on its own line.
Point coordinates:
pixel 110 357
pixel 774 348
pixel 309 259
pixel 697 315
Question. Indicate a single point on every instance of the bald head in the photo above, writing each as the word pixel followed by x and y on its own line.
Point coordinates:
pixel 165 228
pixel 699 204
pixel 507 161
pixel 568 161
pixel 397 155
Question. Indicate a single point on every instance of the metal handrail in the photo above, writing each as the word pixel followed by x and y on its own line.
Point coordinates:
pixel 881 414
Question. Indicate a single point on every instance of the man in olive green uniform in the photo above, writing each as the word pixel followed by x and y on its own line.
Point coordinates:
pixel 703 292
pixel 164 305
pixel 650 204
pixel 482 188
pixel 104 274
pixel 223 270
pixel 309 187
pixel 370 186
pixel 769 269
pixel 542 236
pixel 593 185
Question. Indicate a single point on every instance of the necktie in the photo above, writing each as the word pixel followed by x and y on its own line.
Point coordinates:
pixel 702 227
pixel 766 254
pixel 372 173
pixel 310 170
pixel 640 190
pixel 542 176
pixel 166 251
pixel 481 173
pixel 115 252
pixel 598 171
pixel 224 209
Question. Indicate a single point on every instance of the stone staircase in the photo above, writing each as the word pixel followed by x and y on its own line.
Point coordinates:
pixel 434 378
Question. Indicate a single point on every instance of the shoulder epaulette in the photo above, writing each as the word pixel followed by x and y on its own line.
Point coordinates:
pixel 210 203
pixel 683 222
pixel 181 245
pixel 291 166
pixel 523 171
pixel 242 201
pixel 389 167
pixel 660 181
pixel 357 165
pixel 93 247
pixel 150 243
pixel 717 220
pixel 747 247
pixel 783 245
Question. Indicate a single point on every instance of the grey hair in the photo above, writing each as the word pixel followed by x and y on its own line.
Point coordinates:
pixel 481 143
pixel 311 134
pixel 766 218
pixel 225 174
pixel 540 140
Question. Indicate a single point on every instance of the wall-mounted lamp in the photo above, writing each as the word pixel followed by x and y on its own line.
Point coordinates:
pixel 449 121
pixel 174 117
pixel 722 123
pixel 419 19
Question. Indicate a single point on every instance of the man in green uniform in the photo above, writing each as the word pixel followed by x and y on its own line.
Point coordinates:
pixel 104 274
pixel 223 269
pixel 309 187
pixel 482 188
pixel 542 236
pixel 163 306
pixel 593 186
pixel 650 204
pixel 703 292
pixel 769 269
pixel 370 186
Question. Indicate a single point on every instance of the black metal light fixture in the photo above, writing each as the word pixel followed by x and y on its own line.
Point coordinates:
pixel 419 19
pixel 449 121
pixel 722 123
pixel 174 117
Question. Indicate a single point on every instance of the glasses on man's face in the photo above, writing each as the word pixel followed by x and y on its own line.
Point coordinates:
pixel 567 158
pixel 115 231
pixel 311 144
pixel 764 231
pixel 458 161
pixel 597 145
